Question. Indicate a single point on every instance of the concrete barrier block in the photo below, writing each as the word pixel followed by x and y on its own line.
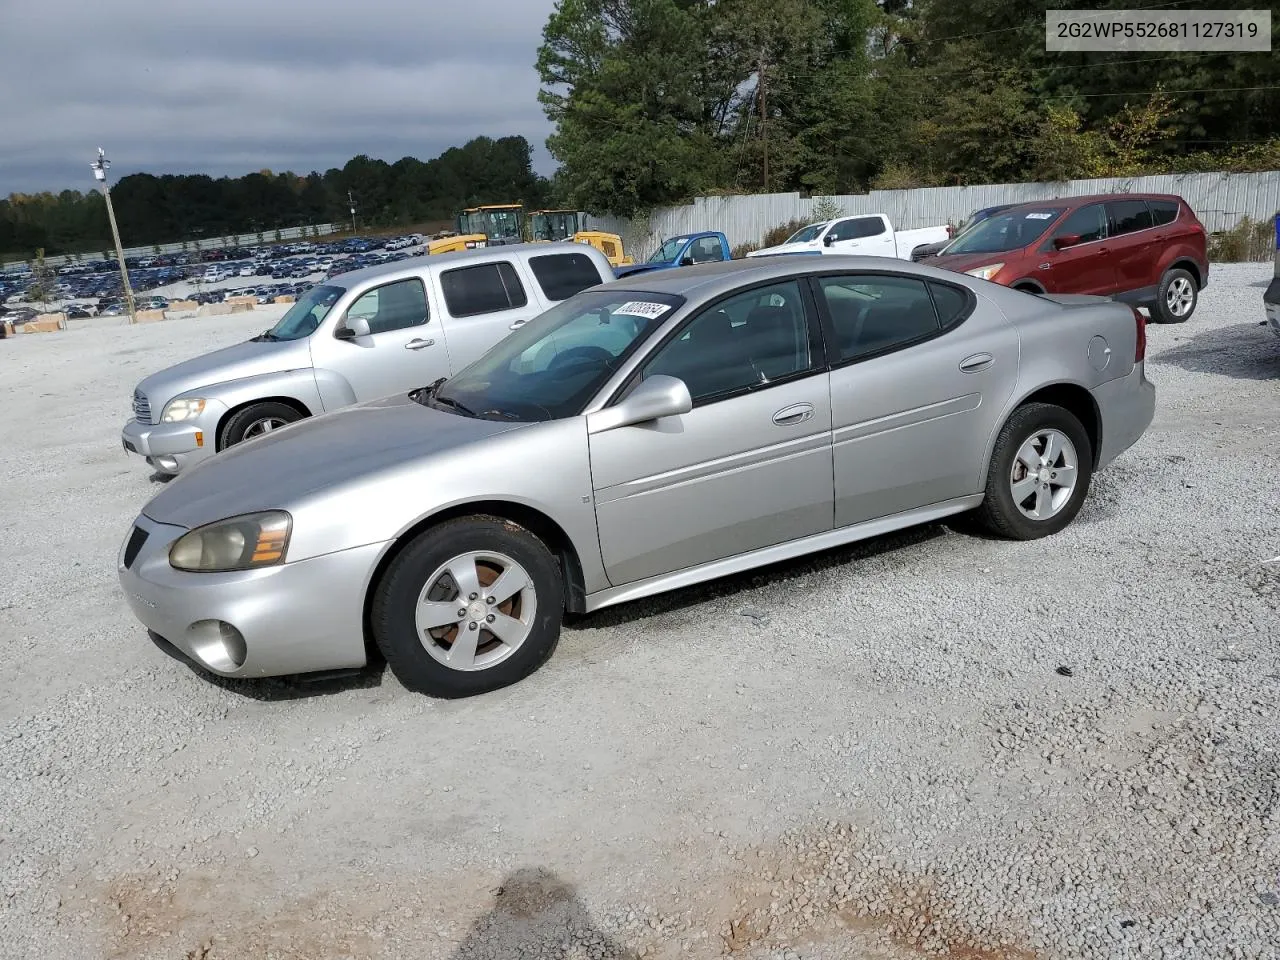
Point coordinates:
pixel 214 310
pixel 44 323
pixel 243 307
pixel 183 305
pixel 150 316
pixel 285 298
pixel 252 301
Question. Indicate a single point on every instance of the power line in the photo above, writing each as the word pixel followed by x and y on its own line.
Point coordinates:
pixel 1147 93
pixel 988 33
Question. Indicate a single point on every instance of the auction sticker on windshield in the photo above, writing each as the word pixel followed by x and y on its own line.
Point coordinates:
pixel 1039 216
pixel 641 308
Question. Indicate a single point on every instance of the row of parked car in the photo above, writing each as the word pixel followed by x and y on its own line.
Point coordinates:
pixel 441 457
pixel 95 286
pixel 1149 250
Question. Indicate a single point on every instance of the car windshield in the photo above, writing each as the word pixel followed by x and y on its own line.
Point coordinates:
pixel 667 252
pixel 550 367
pixel 806 234
pixel 306 314
pixel 1010 230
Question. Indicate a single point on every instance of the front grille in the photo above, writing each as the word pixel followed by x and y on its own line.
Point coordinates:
pixel 131 549
pixel 141 408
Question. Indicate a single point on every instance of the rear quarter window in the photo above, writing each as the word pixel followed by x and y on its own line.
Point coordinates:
pixel 561 275
pixel 951 303
pixel 1162 211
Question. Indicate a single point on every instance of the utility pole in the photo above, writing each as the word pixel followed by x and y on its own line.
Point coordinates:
pixel 352 204
pixel 100 174
pixel 764 117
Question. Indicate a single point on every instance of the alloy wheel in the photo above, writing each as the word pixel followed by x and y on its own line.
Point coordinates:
pixel 260 427
pixel 1044 474
pixel 476 610
pixel 1179 296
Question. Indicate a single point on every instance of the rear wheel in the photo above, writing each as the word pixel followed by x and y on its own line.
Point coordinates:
pixel 256 420
pixel 469 606
pixel 1176 298
pixel 1039 473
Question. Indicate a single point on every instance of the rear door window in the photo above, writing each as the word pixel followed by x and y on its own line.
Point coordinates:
pixel 484 288
pixel 874 314
pixel 561 275
pixel 1128 216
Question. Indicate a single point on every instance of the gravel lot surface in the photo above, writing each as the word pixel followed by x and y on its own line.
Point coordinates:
pixel 934 744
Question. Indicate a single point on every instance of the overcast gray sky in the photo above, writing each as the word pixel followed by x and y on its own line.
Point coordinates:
pixel 231 86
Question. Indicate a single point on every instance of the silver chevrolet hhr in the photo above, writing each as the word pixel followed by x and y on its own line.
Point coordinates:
pixel 643 435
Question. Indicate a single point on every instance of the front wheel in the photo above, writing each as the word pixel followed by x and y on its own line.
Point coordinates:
pixel 1039 473
pixel 256 420
pixel 469 606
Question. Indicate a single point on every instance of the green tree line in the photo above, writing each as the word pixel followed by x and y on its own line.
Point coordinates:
pixel 172 208
pixel 655 101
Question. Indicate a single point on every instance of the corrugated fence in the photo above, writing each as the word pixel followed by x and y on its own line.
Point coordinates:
pixel 1221 200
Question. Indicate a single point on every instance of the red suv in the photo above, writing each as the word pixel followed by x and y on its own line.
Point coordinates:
pixel 1146 249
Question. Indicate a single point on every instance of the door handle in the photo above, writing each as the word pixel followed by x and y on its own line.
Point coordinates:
pixel 517 324
pixel 418 344
pixel 1102 249
pixel 979 361
pixel 796 413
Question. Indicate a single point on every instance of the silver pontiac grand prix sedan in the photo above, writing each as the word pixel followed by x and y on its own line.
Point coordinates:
pixel 643 435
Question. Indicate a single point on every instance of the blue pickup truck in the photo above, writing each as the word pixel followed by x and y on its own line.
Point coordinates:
pixel 681 251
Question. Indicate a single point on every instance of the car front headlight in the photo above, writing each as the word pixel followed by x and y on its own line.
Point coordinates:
pixel 176 411
pixel 239 543
pixel 987 272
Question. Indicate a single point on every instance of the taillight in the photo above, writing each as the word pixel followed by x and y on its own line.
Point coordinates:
pixel 1140 349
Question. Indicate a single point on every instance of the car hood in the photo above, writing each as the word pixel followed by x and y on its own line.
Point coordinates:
pixel 960 262
pixel 247 359
pixel 277 470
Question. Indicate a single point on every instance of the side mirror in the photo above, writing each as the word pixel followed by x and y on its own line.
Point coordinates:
pixel 353 327
pixel 686 260
pixel 828 240
pixel 655 397
pixel 1066 240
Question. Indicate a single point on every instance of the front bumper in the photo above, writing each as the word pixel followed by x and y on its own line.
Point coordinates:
pixel 171 447
pixel 1127 406
pixel 298 617
pixel 1271 299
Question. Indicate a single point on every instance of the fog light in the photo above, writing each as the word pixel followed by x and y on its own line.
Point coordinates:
pixel 167 463
pixel 218 645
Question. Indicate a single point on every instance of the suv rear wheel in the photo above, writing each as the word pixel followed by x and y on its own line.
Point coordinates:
pixel 1176 298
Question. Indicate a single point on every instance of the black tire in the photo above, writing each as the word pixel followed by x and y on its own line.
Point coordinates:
pixel 998 512
pixel 244 421
pixel 1160 311
pixel 395 599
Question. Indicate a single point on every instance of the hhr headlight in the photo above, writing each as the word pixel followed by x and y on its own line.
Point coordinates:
pixel 176 411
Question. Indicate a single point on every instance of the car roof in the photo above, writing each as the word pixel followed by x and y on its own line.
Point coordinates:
pixel 1081 200
pixel 722 276
pixel 461 257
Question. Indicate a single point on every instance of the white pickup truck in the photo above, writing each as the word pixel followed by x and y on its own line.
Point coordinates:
pixel 866 235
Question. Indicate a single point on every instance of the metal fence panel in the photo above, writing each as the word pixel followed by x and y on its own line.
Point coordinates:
pixel 1220 200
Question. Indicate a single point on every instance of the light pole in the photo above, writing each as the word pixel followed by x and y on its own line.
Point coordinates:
pixel 100 174
pixel 352 204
